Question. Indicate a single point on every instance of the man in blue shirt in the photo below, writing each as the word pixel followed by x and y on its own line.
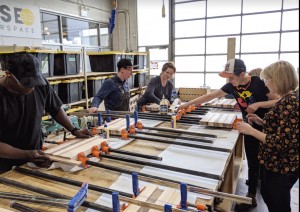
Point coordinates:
pixel 115 91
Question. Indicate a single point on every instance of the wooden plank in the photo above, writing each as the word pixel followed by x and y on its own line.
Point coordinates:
pixel 229 121
pixel 60 146
pixel 64 160
pixel 86 149
pixel 5 210
pixel 175 199
pixel 233 103
pixel 143 196
pixel 74 145
pixel 214 119
pixel 215 103
pixel 222 120
pixel 221 103
pixel 206 118
pixel 164 198
pixel 226 103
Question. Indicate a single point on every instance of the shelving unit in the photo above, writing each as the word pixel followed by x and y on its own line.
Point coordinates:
pixel 68 61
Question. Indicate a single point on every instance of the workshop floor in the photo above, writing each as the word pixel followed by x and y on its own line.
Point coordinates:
pixel 242 189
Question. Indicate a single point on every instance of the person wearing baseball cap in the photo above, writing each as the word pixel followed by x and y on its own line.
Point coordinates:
pixel 115 91
pixel 24 96
pixel 252 96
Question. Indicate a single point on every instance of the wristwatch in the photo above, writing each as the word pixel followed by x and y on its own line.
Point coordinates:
pixel 74 130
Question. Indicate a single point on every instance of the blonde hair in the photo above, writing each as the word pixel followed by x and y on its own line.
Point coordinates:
pixel 283 76
pixel 255 72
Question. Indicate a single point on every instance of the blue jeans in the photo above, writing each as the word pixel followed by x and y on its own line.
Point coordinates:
pixel 276 189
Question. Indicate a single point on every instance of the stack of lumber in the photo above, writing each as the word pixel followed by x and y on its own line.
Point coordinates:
pixel 224 120
pixel 187 94
pixel 221 103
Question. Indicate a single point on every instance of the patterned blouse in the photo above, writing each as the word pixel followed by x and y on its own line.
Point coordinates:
pixel 280 152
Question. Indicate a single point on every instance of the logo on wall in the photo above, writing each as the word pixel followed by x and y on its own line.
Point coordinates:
pixel 19 21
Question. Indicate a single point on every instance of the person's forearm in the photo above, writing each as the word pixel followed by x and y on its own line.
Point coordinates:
pixel 64 120
pixel 258 134
pixel 207 97
pixel 8 151
pixel 96 102
pixel 268 104
pixel 152 98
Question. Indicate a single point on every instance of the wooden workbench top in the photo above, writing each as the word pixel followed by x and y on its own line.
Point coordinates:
pixel 225 138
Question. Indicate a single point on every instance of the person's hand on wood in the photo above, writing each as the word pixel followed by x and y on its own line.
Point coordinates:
pixel 82 133
pixel 183 106
pixel 38 157
pixel 92 109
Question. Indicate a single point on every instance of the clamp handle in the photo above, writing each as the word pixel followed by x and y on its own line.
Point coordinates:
pixel 127 122
pixel 167 208
pixel 183 194
pixel 135 184
pixel 135 114
pixel 115 202
pixel 99 119
pixel 108 119
pixel 79 198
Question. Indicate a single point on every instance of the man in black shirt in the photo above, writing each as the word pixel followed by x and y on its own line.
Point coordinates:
pixel 252 96
pixel 24 96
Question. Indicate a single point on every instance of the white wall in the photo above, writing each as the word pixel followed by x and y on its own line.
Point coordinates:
pixel 119 33
pixel 99 10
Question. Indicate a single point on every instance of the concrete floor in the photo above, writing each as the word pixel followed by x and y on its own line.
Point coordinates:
pixel 242 189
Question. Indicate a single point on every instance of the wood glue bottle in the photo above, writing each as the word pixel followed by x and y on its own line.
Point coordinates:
pixel 106 131
pixel 163 106
pixel 173 120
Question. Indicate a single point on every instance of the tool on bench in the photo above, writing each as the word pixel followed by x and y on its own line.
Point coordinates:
pixel 52 194
pixel 21 207
pixel 143 176
pixel 71 205
pixel 51 125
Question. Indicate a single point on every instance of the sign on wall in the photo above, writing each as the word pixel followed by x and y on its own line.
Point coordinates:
pixel 19 19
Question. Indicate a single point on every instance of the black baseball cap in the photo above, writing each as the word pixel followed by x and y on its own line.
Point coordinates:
pixel 25 67
pixel 233 66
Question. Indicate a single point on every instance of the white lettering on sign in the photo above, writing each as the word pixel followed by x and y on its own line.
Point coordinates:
pixel 19 20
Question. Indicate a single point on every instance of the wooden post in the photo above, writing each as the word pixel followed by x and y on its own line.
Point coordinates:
pixel 230 50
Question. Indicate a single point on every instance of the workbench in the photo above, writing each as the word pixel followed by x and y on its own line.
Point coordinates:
pixel 226 138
